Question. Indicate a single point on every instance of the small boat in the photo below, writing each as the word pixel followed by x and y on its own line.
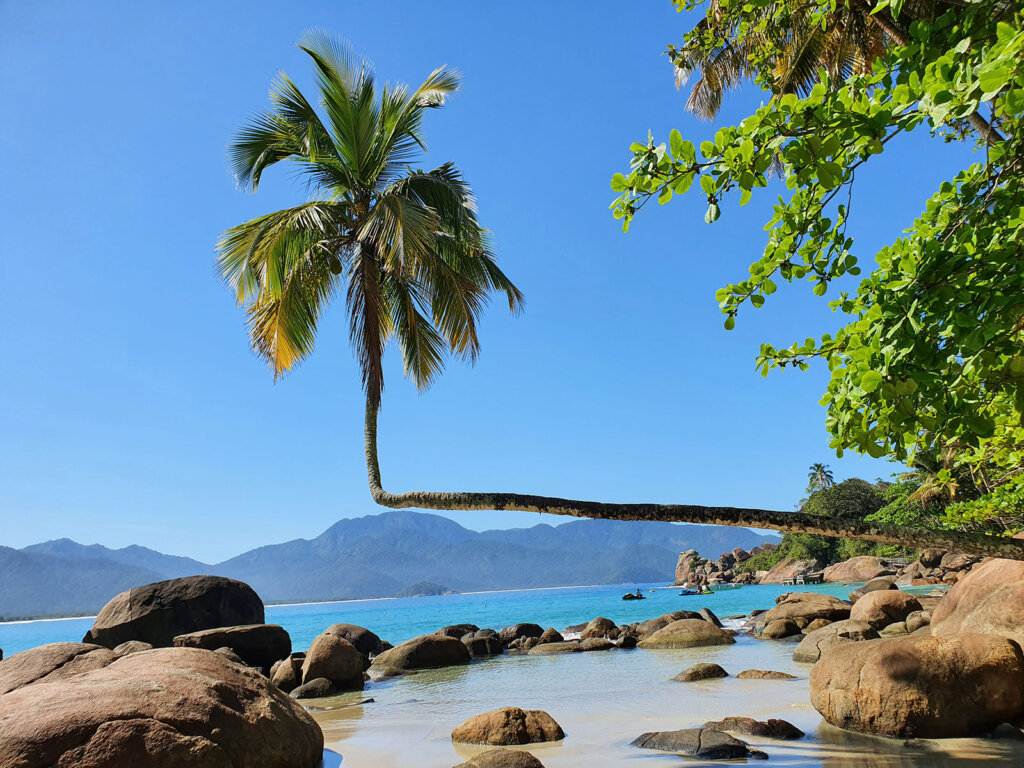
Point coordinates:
pixel 633 596
pixel 693 592
pixel 721 587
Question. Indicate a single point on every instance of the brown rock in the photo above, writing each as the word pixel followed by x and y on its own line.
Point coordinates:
pixel 816 624
pixel 808 606
pixel 627 641
pixel 365 641
pixel 918 619
pixel 687 633
pixel 258 645
pixel 316 688
pixel 51 663
pixel 458 631
pixel 988 600
pixel 164 708
pixel 884 607
pixel 132 646
pixel 704 743
pixel 336 659
pixel 509 725
pixel 921 686
pixel 423 652
pixel 599 627
pixel 955 561
pixel 550 649
pixel 780 628
pixel 286 674
pixel 931 557
pixel 700 672
pixel 551 635
pixel 771 729
pixel 789 568
pixel 516 631
pixel 820 640
pixel 649 627
pixel 764 674
pixel 483 643
pixel 502 758
pixel 881 583
pixel 863 568
pixel 597 644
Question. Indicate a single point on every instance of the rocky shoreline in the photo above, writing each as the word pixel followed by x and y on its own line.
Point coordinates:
pixel 885 662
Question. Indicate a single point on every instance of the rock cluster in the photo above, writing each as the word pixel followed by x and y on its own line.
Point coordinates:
pixel 691 568
pixel 935 566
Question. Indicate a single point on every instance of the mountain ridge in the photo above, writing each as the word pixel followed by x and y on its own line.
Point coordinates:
pixel 370 556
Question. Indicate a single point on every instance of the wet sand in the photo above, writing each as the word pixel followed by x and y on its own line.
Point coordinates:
pixel 605 699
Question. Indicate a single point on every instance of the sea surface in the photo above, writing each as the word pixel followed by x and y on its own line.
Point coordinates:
pixel 603 700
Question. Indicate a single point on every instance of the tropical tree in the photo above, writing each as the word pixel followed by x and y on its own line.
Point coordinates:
pixel 819 477
pixel 416 268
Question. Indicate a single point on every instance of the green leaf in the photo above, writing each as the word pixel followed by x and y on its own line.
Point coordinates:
pixel 712 214
pixel 619 183
pixel 871 381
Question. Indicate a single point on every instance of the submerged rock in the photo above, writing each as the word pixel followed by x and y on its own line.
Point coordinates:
pixel 687 633
pixel 700 672
pixel 921 686
pixel 162 708
pixel 705 743
pixel 771 729
pixel 509 725
pixel 502 758
pixel 314 689
pixel 157 613
pixel 764 674
pixel 550 649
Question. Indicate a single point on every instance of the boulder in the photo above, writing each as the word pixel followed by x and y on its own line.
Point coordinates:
pixel 687 633
pixel 599 627
pixel 597 644
pixel 649 627
pixel 708 615
pixel 502 758
pixel 365 641
pixel 314 689
pixel 336 659
pixel 956 561
pixel 894 629
pixel 258 645
pixel 51 663
pixel 685 565
pixel 516 631
pixel 509 725
pixel 816 624
pixel 770 729
pixel 884 607
pixel 157 613
pixel 286 674
pixel 233 657
pixel 764 674
pixel 921 686
pixel 863 568
pixel 550 649
pixel 789 568
pixel 551 635
pixel 780 628
pixel 163 708
pixel 988 600
pixel 740 555
pixel 132 646
pixel 423 652
pixel 458 631
pixel 705 743
pixel 931 557
pixel 881 583
pixel 820 640
pixel 483 642
pixel 626 641
pixel 918 619
pixel 807 606
pixel 700 672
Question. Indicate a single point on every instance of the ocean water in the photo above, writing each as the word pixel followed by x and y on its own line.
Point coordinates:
pixel 396 620
pixel 603 700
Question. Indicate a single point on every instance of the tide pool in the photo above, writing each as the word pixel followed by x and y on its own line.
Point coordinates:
pixel 396 620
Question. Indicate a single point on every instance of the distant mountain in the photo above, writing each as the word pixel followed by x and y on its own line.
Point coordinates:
pixel 373 556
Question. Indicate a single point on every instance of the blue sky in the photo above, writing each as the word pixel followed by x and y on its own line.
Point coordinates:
pixel 133 411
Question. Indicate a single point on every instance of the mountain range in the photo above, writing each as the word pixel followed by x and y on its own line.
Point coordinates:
pixel 373 556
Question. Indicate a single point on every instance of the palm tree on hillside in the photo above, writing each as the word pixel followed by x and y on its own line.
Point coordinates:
pixel 819 477
pixel 405 248
pixel 854 34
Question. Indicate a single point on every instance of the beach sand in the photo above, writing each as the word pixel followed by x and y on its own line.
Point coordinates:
pixel 603 700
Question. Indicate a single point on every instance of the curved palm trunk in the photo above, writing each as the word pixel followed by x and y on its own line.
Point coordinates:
pixel 976 544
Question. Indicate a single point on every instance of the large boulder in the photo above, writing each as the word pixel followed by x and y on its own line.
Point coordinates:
pixel 552 649
pixel 423 652
pixel 509 725
pixel 884 607
pixel 550 635
pixel 258 645
pixel 157 613
pixel 649 627
pixel 286 674
pixel 163 708
pixel 365 641
pixel 334 658
pixel 502 758
pixel 704 743
pixel 837 633
pixel 805 607
pixel 687 633
pixel 483 642
pixel 51 663
pixel 921 686
pixel 510 634
pixel 457 630
pixel 863 568
pixel 989 600
pixel 881 583
pixel 599 627
pixel 789 568
pixel 685 566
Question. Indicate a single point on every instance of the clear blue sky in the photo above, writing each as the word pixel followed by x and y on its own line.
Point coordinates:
pixel 133 411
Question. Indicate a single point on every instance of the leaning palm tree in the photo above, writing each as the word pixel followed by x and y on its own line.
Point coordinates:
pixel 819 477
pixel 415 267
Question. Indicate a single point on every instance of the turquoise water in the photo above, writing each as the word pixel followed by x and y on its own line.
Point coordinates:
pixel 400 619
